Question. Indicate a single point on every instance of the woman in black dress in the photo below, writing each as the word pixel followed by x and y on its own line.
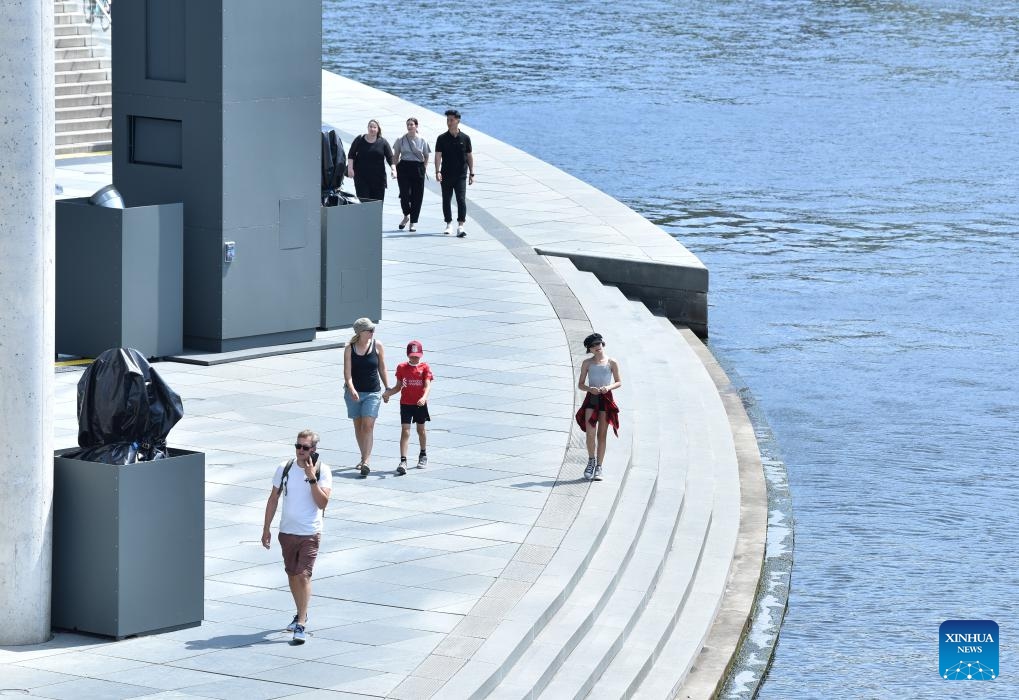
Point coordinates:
pixel 366 163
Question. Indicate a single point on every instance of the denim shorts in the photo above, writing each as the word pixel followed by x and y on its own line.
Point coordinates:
pixel 367 407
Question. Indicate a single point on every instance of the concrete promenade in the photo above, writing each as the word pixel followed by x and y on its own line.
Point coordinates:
pixel 497 570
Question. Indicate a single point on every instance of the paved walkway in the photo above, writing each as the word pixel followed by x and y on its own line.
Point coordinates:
pixel 416 572
pixel 404 558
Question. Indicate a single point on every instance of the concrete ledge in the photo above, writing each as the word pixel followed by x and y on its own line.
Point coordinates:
pixel 733 620
pixel 678 291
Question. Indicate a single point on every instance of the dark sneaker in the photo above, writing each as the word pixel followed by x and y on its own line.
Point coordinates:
pixel 589 472
pixel 365 471
pixel 597 473
pixel 299 635
pixel 292 625
pixel 422 462
pixel 402 469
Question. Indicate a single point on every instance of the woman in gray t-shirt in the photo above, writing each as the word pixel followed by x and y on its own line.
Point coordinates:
pixel 411 154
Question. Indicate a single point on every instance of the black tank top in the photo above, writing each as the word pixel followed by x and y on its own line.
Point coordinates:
pixel 364 369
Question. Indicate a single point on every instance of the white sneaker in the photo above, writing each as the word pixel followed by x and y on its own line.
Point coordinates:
pixel 460 233
pixel 597 473
pixel 449 228
pixel 589 472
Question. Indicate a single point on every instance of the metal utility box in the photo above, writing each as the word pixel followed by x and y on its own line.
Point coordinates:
pixel 351 264
pixel 119 278
pixel 218 104
pixel 129 544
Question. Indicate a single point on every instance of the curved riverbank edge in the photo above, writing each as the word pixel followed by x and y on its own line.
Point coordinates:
pixel 549 212
pixel 752 661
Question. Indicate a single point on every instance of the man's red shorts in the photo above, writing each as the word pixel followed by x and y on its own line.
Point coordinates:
pixel 299 552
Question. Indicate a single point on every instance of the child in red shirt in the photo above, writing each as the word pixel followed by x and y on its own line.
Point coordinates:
pixel 413 382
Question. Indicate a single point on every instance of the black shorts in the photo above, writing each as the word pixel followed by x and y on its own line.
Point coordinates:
pixel 412 413
pixel 594 402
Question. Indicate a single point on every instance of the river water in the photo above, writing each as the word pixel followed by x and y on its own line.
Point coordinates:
pixel 848 171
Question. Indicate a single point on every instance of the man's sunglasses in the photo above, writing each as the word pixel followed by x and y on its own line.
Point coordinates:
pixel 299 446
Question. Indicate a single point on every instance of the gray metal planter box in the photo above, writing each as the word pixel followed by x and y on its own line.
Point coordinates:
pixel 119 278
pixel 129 544
pixel 351 264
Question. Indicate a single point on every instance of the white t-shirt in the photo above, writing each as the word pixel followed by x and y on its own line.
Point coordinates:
pixel 300 514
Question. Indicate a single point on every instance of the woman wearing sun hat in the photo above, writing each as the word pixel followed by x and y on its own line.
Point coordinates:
pixel 364 377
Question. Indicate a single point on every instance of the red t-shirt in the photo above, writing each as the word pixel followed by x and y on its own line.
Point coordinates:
pixel 413 379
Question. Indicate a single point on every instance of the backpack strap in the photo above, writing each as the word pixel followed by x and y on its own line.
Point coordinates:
pixel 286 475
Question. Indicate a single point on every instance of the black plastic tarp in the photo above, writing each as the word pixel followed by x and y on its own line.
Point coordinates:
pixel 334 166
pixel 125 410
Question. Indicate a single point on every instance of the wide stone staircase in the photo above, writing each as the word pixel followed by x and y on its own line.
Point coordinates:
pixel 626 605
pixel 84 95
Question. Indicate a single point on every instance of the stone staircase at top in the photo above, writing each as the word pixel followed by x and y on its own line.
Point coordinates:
pixel 631 616
pixel 84 93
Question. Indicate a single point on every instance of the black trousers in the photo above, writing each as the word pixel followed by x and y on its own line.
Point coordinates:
pixel 410 176
pixel 370 186
pixel 459 186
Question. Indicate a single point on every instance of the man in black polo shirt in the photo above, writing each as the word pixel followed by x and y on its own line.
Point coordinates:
pixel 454 164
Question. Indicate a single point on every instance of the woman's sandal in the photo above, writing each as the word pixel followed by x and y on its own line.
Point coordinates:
pixel 364 469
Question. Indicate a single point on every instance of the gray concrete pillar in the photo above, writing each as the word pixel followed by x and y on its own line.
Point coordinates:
pixel 27 144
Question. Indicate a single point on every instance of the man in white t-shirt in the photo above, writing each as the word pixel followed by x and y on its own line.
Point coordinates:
pixel 305 483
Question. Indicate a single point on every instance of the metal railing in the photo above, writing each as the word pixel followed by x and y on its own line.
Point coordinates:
pixel 101 10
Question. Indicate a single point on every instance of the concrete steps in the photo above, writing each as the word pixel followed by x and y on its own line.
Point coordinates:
pixel 679 536
pixel 650 584
pixel 86 75
pixel 83 78
pixel 686 601
pixel 637 576
pixel 97 99
pixel 607 513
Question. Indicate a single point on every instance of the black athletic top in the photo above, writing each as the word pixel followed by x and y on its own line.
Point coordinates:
pixel 364 369
pixel 454 150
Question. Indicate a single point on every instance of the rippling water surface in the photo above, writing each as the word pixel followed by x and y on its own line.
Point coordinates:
pixel 848 171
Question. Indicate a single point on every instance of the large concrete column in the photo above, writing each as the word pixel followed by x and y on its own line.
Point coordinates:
pixel 26 318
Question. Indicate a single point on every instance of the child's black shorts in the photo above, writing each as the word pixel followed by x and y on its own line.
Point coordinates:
pixel 412 413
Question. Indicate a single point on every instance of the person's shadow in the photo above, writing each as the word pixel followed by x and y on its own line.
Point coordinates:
pixel 235 641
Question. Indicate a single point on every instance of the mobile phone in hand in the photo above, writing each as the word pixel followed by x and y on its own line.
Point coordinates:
pixel 314 458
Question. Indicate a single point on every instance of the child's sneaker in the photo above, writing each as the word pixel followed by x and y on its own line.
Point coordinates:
pixel 422 462
pixel 597 473
pixel 589 472
pixel 402 469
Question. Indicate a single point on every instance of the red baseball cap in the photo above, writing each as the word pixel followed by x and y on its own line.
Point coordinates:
pixel 414 349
